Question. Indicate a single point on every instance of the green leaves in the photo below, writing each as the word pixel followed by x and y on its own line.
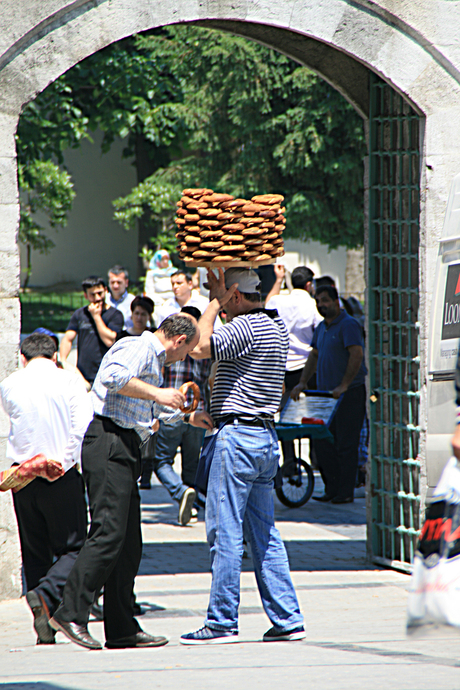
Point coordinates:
pixel 253 121
pixel 44 187
pixel 48 189
pixel 199 107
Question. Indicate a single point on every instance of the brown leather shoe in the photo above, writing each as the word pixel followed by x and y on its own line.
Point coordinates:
pixel 76 633
pixel 140 639
pixel 45 634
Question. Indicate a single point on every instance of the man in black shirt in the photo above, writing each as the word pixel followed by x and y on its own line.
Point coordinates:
pixel 97 327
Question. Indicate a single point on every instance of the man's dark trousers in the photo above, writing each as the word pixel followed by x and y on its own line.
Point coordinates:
pixel 52 528
pixel 338 461
pixel 111 554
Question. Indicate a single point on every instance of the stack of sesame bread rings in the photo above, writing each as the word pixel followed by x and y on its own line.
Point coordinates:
pixel 217 229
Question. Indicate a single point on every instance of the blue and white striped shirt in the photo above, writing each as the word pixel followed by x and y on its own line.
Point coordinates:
pixel 251 351
pixel 139 357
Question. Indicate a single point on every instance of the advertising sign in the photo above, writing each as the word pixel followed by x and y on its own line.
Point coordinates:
pixel 451 310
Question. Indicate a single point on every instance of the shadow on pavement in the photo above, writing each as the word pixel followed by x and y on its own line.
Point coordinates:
pixel 193 557
pixel 32 686
pixel 345 550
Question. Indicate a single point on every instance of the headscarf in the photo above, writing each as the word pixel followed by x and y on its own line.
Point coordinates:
pixel 155 264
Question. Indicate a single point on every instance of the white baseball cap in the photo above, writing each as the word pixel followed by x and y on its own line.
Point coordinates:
pixel 247 279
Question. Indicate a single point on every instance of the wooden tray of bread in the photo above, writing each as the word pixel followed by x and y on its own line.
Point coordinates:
pixel 218 230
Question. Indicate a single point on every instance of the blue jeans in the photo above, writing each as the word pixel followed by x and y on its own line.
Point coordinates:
pixel 240 498
pixel 169 438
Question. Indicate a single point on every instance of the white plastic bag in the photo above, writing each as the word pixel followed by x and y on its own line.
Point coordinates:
pixel 434 593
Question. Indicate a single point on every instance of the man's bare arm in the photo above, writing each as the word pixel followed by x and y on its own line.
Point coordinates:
pixel 106 334
pixel 308 371
pixel 66 344
pixel 354 362
pixel 218 296
pixel 456 442
pixel 206 323
pixel 279 277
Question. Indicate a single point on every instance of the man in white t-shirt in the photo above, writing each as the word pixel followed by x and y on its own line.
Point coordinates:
pixel 184 296
pixel 299 313
pixel 118 296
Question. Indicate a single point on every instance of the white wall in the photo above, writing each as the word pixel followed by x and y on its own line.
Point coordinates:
pixel 317 257
pixel 92 241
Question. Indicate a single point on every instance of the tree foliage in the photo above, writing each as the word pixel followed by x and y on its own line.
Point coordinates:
pixel 208 109
pixel 254 122
pixel 48 189
pixel 120 90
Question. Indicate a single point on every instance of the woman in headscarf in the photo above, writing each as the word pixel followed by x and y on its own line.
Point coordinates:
pixel 158 277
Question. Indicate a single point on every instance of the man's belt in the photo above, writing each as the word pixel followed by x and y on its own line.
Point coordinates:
pixel 263 422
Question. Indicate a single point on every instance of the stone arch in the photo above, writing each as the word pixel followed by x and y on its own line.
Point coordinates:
pixel 340 39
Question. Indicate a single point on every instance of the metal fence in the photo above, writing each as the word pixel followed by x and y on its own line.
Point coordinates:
pixel 49 310
pixel 393 325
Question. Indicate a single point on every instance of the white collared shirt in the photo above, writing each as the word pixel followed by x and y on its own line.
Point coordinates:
pixel 123 304
pixel 172 306
pixel 49 411
pixel 299 313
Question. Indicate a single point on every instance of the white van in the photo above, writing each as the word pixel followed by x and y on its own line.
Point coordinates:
pixel 444 342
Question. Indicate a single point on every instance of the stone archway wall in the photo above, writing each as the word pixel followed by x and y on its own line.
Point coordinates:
pixel 414 46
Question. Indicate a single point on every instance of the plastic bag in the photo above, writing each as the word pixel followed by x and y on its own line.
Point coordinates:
pixel 434 593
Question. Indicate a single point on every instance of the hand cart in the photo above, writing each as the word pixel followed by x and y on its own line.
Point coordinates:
pixel 295 481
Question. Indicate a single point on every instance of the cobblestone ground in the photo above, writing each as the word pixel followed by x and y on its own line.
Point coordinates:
pixel 355 618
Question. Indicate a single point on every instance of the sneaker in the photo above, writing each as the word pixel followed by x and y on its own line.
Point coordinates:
pixel 277 635
pixel 207 635
pixel 186 505
pixel 194 516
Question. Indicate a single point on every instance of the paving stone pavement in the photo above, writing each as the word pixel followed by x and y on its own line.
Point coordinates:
pixel 354 613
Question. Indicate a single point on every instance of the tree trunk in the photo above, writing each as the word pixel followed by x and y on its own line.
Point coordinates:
pixel 355 282
pixel 148 158
pixel 29 266
pixel 145 167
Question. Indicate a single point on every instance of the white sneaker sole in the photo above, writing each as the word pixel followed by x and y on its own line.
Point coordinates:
pixel 286 638
pixel 228 639
pixel 186 505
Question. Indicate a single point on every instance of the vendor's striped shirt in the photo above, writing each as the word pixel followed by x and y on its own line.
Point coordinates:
pixel 251 351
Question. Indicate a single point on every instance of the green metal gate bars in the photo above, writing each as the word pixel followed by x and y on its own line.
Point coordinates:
pixel 393 281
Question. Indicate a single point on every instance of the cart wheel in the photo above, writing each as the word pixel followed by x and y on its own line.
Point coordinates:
pixel 297 488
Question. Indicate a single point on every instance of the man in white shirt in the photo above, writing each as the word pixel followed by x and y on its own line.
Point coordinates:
pixel 118 296
pixel 299 313
pixel 49 412
pixel 184 296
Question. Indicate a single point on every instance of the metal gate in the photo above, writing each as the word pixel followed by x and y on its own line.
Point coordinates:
pixel 393 341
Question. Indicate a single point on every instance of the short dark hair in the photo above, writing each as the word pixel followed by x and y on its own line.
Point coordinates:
pixel 325 280
pixel 177 324
pixel 331 291
pixel 193 311
pixel 188 276
pixel 38 345
pixel 250 296
pixel 46 331
pixel 144 302
pixel 117 269
pixel 92 281
pixel 300 276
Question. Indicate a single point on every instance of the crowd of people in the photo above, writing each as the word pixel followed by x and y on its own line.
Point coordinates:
pixel 120 416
